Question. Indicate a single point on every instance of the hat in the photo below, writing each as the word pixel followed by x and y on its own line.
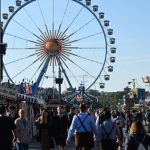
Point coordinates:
pixel 2 109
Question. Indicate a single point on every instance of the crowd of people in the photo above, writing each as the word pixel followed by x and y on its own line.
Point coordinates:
pixel 101 129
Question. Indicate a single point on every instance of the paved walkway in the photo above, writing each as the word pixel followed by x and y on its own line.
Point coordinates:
pixel 36 145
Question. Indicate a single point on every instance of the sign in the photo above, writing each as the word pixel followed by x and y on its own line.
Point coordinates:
pixel 54 101
pixel 6 92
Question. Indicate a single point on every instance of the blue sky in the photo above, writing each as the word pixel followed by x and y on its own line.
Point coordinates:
pixel 130 21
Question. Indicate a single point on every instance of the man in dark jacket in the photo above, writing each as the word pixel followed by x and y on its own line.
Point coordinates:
pixel 61 125
pixel 7 128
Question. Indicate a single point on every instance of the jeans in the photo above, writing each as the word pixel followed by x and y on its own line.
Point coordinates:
pixel 21 146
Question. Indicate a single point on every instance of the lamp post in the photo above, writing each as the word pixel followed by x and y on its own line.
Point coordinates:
pixel 83 79
pixel 133 90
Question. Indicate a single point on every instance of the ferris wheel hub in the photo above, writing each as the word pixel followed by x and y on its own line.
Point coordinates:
pixel 52 45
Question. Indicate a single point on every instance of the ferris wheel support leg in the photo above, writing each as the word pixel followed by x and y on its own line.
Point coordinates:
pixel 64 72
pixel 36 84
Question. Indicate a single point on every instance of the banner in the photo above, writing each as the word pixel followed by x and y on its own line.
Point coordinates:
pixel 6 92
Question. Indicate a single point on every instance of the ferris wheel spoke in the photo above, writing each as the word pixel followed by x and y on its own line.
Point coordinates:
pixel 18 37
pixel 65 53
pixel 63 61
pixel 74 76
pixel 69 70
pixel 39 45
pixel 83 26
pixel 41 54
pixel 90 48
pixel 47 33
pixel 33 21
pixel 64 57
pixel 26 57
pixel 79 66
pixel 25 68
pixel 86 37
pixel 65 43
pixel 40 51
pixel 38 67
pixel 53 13
pixel 66 8
pixel 41 39
pixel 21 48
pixel 44 35
pixel 65 50
pixel 43 18
pixel 91 60
pixel 72 21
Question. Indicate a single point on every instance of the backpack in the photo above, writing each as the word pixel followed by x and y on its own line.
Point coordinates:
pixel 140 146
pixel 107 134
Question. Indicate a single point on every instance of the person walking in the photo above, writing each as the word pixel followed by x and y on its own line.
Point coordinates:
pixel 147 116
pixel 137 135
pixel 7 129
pixel 61 125
pixel 108 133
pixel 84 128
pixel 23 131
pixel 45 123
pixel 71 114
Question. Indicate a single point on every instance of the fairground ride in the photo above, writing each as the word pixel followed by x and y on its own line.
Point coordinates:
pixel 59 38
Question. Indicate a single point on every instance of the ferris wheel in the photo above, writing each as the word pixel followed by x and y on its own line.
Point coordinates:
pixel 55 40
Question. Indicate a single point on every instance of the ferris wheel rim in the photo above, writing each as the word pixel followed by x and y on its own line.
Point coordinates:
pixel 106 48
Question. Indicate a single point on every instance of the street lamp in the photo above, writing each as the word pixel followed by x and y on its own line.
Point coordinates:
pixel 133 85
pixel 83 79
